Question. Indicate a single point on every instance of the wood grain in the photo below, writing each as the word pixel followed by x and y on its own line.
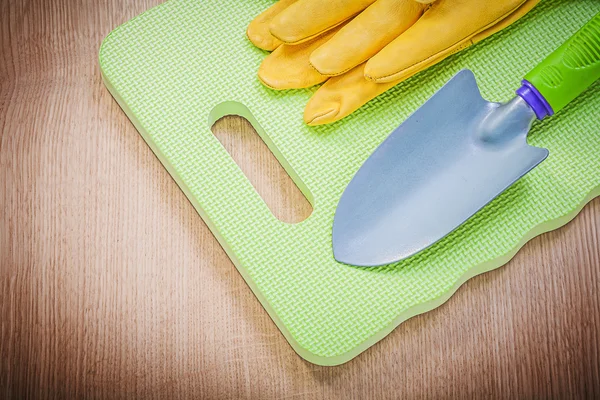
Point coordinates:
pixel 111 286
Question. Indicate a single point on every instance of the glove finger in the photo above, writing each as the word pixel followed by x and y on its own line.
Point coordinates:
pixel 365 35
pixel 445 28
pixel 518 13
pixel 341 95
pixel 307 19
pixel 258 30
pixel 288 67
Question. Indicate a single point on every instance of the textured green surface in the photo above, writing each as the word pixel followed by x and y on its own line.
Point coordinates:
pixel 180 66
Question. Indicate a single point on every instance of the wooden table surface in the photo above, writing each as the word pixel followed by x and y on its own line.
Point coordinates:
pixel 111 286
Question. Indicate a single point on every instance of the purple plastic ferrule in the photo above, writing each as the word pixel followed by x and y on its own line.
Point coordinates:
pixel 534 98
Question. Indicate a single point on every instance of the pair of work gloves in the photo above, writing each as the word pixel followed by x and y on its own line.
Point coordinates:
pixel 361 48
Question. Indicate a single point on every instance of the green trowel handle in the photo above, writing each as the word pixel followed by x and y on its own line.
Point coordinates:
pixel 570 69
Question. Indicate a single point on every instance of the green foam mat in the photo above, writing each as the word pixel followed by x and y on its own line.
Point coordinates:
pixel 180 66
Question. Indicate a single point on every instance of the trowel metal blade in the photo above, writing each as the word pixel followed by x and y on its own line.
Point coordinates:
pixel 444 163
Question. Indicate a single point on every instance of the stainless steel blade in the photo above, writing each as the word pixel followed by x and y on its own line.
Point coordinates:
pixel 444 163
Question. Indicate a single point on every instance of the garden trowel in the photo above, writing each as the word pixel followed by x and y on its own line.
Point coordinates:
pixel 453 156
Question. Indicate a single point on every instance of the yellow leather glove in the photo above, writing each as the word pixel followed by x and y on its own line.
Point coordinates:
pixel 361 48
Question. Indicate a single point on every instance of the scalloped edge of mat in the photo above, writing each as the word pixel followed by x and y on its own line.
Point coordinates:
pixel 239 109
